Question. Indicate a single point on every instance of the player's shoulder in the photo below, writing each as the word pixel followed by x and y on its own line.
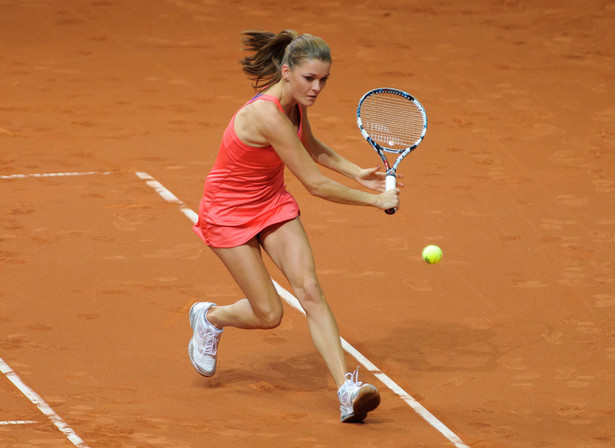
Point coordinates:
pixel 262 109
pixel 266 114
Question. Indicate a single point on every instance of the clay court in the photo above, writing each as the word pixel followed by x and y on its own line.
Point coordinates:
pixel 111 115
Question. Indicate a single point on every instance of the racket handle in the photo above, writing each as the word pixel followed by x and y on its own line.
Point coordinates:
pixel 390 184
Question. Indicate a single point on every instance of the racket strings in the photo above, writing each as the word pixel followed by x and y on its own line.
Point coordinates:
pixel 392 121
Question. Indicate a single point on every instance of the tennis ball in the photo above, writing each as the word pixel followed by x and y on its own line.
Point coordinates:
pixel 432 254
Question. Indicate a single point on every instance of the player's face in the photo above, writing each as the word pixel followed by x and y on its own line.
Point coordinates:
pixel 308 79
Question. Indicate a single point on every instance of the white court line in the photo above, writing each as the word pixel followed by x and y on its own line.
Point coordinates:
pixel 17 422
pixel 41 405
pixel 167 195
pixel 74 173
pixel 292 301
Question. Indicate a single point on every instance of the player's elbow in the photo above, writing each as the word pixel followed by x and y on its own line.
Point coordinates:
pixel 318 189
pixel 315 190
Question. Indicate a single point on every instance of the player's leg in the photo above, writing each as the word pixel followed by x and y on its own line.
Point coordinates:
pixel 289 248
pixel 262 307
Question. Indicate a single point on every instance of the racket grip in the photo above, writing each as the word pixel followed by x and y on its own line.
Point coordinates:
pixel 390 184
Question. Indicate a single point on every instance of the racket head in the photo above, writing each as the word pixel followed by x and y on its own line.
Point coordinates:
pixel 391 120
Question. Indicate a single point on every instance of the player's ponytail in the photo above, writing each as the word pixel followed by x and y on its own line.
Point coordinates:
pixel 272 51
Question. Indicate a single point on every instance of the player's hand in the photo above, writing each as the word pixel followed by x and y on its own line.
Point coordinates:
pixel 388 199
pixel 374 180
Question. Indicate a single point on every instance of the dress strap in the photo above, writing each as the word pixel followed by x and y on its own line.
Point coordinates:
pixel 270 98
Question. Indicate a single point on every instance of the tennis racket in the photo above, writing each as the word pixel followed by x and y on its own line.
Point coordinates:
pixel 391 121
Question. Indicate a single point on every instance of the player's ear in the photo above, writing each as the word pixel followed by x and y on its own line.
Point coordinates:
pixel 286 73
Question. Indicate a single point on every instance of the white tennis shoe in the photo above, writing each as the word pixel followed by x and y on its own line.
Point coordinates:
pixel 357 399
pixel 203 347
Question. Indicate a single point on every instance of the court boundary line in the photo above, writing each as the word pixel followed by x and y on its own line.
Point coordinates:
pixel 41 405
pixel 17 422
pixel 66 174
pixel 166 194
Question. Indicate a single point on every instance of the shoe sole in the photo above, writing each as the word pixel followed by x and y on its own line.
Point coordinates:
pixel 366 401
pixel 193 316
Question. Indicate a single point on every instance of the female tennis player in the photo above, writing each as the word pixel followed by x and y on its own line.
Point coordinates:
pixel 245 207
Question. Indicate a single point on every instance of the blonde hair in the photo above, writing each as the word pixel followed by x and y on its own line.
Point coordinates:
pixel 272 51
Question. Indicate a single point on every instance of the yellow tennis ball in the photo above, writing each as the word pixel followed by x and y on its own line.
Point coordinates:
pixel 432 254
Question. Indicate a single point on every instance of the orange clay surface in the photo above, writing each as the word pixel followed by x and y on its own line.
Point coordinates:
pixel 509 341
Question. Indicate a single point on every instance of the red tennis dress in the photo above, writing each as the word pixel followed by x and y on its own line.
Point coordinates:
pixel 244 192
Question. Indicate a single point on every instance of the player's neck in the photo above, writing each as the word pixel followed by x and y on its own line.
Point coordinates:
pixel 282 92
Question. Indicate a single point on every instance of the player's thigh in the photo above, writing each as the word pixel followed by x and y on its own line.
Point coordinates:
pixel 245 264
pixel 288 246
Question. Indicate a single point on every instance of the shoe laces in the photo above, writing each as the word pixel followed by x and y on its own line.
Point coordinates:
pixel 210 341
pixel 352 383
pixel 353 378
pixel 210 347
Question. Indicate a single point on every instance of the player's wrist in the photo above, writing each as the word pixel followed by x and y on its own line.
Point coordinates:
pixel 377 201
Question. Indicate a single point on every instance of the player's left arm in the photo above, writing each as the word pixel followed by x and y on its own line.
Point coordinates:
pixel 327 157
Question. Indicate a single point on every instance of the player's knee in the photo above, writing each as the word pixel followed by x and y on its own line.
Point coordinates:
pixel 310 294
pixel 271 318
